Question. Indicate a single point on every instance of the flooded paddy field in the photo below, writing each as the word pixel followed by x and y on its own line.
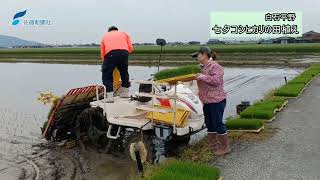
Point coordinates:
pixel 23 157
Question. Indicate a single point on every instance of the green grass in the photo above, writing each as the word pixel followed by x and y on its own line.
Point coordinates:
pixel 244 124
pixel 263 110
pixel 290 90
pixel 186 170
pixel 180 71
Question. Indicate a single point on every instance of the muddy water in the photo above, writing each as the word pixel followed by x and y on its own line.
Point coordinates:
pixel 21 115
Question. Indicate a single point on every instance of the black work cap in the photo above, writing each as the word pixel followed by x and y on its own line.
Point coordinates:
pixel 112 28
pixel 202 50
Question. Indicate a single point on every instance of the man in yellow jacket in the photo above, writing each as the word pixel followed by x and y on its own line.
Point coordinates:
pixel 115 49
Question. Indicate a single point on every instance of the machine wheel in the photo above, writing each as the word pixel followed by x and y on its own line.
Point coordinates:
pixel 145 147
pixel 181 140
pixel 92 122
pixel 176 144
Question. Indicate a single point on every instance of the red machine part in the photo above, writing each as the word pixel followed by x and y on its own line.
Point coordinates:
pixel 72 92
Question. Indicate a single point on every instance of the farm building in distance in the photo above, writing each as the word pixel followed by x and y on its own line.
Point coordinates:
pixel 215 41
pixel 194 42
pixel 309 37
pixel 284 40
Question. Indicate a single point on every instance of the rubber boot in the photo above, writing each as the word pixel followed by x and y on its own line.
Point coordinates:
pixel 213 142
pixel 224 145
pixel 109 97
pixel 124 93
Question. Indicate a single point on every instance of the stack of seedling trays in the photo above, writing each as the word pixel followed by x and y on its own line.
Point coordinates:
pixel 168 118
pixel 296 86
pixel 184 170
pixel 252 118
pixel 265 110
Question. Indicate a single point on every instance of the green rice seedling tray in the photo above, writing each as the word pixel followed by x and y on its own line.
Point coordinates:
pixel 302 79
pixel 175 80
pixel 247 130
pixel 306 77
pixel 258 114
pixel 186 170
pixel 247 125
pixel 276 99
pixel 315 68
pixel 290 90
pixel 291 97
pixel 175 72
pixel 311 80
pixel 269 120
pixel 265 110
pixel 283 106
pixel 261 111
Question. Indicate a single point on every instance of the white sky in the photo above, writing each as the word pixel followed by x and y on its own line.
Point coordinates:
pixel 84 21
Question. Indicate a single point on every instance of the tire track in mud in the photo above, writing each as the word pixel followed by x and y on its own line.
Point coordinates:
pixel 236 78
pixel 239 86
pixel 45 164
pixel 20 167
pixel 68 163
pixel 55 164
pixel 36 169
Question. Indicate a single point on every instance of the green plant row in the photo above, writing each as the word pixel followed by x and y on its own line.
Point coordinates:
pixel 180 71
pixel 244 124
pixel 263 110
pixel 184 49
pixel 186 170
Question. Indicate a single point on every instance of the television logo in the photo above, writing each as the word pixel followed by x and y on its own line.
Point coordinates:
pixel 16 17
pixel 29 22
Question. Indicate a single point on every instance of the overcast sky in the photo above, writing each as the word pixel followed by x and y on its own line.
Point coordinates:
pixel 84 21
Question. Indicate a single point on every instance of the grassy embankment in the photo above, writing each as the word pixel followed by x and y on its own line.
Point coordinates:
pixel 249 54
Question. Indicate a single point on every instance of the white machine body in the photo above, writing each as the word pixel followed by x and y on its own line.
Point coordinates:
pixel 125 112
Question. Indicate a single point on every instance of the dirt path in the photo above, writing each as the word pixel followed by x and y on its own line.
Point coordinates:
pixel 292 153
